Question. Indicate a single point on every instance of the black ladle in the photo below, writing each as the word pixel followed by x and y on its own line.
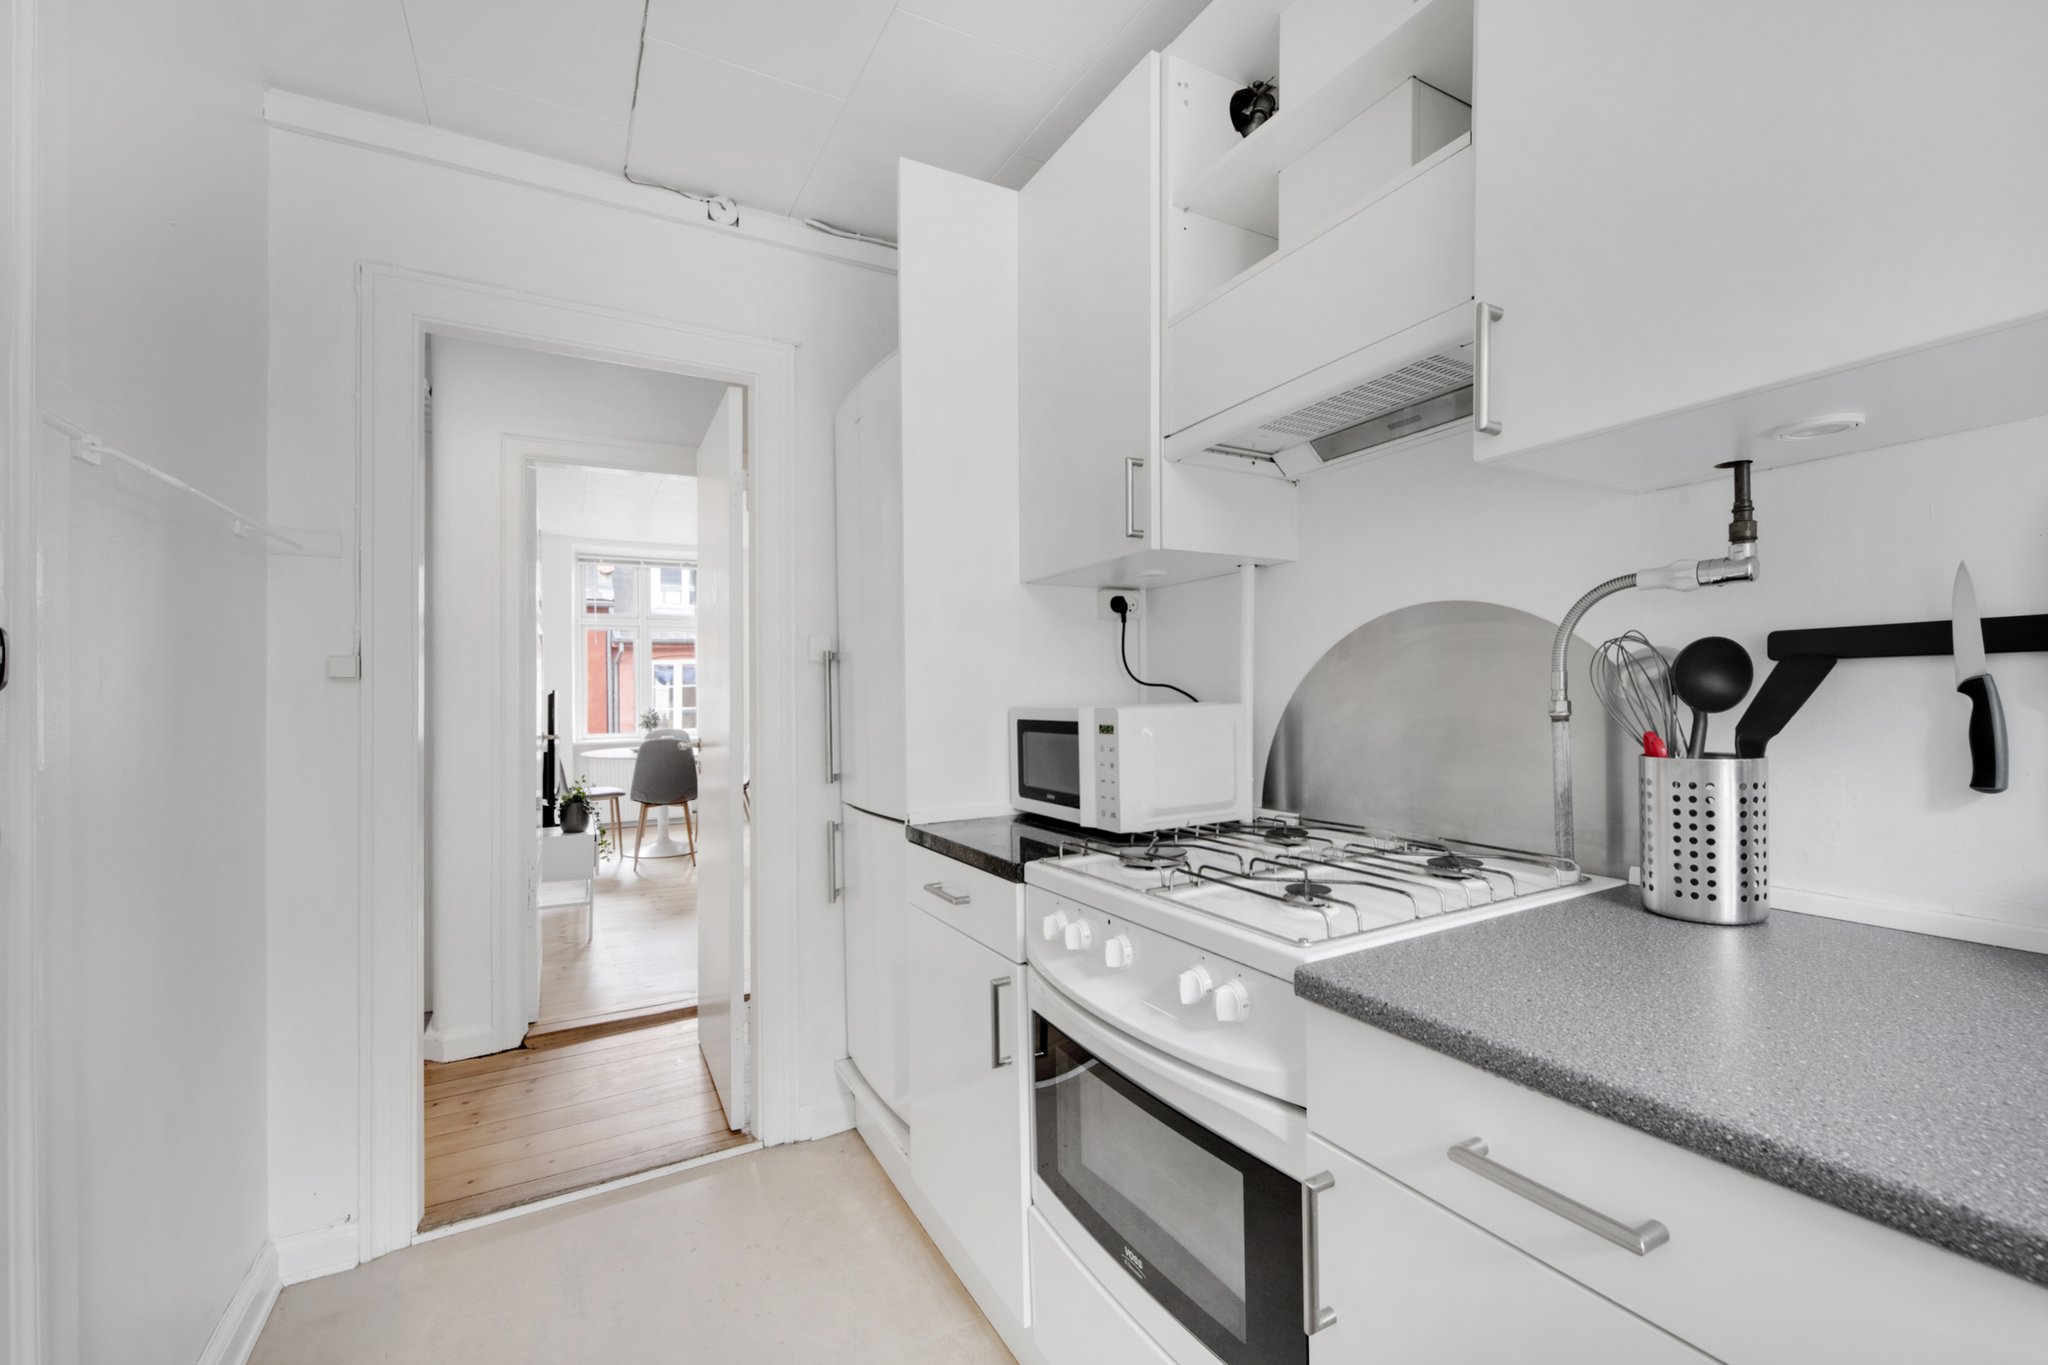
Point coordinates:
pixel 1710 674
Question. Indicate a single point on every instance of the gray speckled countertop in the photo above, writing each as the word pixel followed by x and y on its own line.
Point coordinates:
pixel 998 845
pixel 1895 1075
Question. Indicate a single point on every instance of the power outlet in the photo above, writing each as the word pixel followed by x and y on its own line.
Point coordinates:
pixel 1104 612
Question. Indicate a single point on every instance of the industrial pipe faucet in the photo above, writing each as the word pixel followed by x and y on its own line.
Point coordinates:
pixel 1739 565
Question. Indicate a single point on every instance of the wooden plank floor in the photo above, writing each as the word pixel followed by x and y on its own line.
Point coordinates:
pixel 517 1126
pixel 642 957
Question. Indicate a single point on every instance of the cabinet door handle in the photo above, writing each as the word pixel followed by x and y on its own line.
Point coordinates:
pixel 1484 316
pixel 1132 530
pixel 1641 1239
pixel 831 715
pixel 834 886
pixel 1314 1317
pixel 997 1059
pixel 939 889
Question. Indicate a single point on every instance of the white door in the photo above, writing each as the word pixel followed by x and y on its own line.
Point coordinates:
pixel 721 734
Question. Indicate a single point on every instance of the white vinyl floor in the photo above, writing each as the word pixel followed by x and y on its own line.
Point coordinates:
pixel 794 1254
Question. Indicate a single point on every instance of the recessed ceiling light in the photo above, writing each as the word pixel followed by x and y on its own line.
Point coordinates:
pixel 1813 428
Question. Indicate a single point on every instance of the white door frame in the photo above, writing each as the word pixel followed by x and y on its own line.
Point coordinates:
pixel 396 311
pixel 22 1335
pixel 515 964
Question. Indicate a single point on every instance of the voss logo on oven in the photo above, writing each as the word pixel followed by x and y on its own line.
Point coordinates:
pixel 1134 1263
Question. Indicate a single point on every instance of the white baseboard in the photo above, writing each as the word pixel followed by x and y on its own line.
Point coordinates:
pixel 323 1251
pixel 459 1044
pixel 823 1120
pixel 234 1337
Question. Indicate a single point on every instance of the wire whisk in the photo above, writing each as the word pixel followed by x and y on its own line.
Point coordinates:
pixel 1633 681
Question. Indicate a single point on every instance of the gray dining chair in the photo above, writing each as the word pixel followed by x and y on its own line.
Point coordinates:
pixel 665 774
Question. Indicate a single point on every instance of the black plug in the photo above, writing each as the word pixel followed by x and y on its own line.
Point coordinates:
pixel 1121 605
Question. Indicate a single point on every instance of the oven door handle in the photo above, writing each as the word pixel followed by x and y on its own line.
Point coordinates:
pixel 1314 1316
pixel 1272 1130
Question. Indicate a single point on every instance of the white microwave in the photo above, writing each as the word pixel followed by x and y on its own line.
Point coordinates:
pixel 1132 769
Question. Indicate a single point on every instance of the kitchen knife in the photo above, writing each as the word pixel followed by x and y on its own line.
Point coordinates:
pixel 1973 680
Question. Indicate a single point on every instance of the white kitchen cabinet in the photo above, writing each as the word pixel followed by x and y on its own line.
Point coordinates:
pixel 869 668
pixel 876 915
pixel 1751 1271
pixel 1682 208
pixel 970 1063
pixel 1411 1281
pixel 1098 503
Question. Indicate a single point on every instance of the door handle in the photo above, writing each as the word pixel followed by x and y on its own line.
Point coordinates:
pixel 1640 1239
pixel 995 1024
pixel 1132 531
pixel 939 889
pixel 831 715
pixel 1484 316
pixel 833 885
pixel 1314 1317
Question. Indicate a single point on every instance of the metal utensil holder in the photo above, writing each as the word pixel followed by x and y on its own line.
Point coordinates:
pixel 1707 838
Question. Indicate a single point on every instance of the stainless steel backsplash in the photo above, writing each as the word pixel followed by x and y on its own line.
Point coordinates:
pixel 1435 720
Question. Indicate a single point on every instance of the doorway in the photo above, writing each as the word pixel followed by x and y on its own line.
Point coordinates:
pixel 586 668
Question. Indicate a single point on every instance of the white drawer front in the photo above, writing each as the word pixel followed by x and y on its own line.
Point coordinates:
pixel 1409 1281
pixel 1752 1271
pixel 985 908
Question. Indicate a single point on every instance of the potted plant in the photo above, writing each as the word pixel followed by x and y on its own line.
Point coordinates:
pixel 575 807
pixel 650 720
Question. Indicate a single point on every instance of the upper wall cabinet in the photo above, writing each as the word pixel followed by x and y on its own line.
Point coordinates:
pixel 1099 505
pixel 1704 223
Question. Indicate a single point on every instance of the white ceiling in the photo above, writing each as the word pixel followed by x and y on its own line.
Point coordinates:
pixel 798 107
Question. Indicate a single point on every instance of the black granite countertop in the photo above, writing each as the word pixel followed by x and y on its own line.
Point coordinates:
pixel 999 845
pixel 1898 1076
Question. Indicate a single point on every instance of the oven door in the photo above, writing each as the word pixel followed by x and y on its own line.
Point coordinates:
pixel 1209 1231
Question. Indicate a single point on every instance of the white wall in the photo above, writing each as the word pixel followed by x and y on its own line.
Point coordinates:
pixel 590 503
pixel 151 332
pixel 481 780
pixel 1870 782
pixel 333 206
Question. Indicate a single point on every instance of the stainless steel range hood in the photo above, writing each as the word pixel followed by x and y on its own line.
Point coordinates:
pixel 1387 397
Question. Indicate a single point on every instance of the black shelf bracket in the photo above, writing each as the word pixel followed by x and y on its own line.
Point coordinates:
pixel 1804 658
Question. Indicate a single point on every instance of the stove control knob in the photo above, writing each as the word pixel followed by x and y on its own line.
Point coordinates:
pixel 1118 953
pixel 1233 1002
pixel 1054 926
pixel 1195 983
pixel 1079 935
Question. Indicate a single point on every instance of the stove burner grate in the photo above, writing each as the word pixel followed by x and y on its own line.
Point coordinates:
pixel 1153 857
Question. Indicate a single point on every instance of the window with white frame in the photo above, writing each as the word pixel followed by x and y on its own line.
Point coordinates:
pixel 638 623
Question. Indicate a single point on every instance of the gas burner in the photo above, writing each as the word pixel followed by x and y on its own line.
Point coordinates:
pixel 1308 893
pixel 1454 862
pixel 1154 857
pixel 1286 834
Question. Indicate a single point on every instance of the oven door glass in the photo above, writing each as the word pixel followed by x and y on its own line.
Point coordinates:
pixel 1211 1233
pixel 1049 762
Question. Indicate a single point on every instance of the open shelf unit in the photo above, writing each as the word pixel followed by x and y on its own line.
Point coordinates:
pixel 1433 45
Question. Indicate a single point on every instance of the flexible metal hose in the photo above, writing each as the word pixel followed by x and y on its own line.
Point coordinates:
pixel 1561 711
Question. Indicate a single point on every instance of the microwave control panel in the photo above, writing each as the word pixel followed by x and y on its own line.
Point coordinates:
pixel 1105 774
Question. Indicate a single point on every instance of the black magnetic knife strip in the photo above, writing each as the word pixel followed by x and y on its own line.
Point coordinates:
pixel 1804 658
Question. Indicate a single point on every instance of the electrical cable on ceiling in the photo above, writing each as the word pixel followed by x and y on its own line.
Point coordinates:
pixel 1122 607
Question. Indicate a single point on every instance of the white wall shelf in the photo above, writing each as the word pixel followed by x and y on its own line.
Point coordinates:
pixel 1241 187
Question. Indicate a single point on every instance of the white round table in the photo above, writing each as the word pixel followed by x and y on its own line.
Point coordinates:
pixel 663 846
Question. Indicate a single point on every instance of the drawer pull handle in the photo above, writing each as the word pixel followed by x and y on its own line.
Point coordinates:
pixel 1314 1316
pixel 1642 1238
pixel 951 898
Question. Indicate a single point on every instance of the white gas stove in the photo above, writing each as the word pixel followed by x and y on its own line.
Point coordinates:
pixel 1189 941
